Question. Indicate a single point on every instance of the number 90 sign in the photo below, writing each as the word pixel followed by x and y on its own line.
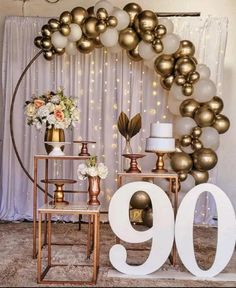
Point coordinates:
pixel 165 229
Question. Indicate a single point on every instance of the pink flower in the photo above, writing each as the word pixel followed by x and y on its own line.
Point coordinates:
pixel 38 103
pixel 59 115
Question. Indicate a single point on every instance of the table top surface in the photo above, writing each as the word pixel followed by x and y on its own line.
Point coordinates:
pixel 70 208
pixel 149 174
pixel 59 181
pixel 75 157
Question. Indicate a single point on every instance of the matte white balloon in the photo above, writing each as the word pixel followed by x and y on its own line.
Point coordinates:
pixel 71 48
pixel 167 23
pixel 170 43
pixel 75 32
pixel 150 62
pixel 103 4
pixel 110 37
pixel 187 184
pixel 187 149
pixel 204 71
pixel 58 40
pixel 173 105
pixel 204 90
pixel 122 17
pixel 162 183
pixel 176 91
pixel 183 126
pixel 115 49
pixel 146 51
pixel 210 138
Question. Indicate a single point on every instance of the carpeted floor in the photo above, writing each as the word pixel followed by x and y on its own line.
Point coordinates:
pixel 18 269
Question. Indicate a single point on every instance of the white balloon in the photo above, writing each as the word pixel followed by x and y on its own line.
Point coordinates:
pixel 176 92
pixel 122 17
pixel 170 43
pixel 204 90
pixel 187 184
pixel 150 63
pixel 204 71
pixel 162 183
pixel 173 105
pixel 71 48
pixel 187 149
pixel 167 23
pixel 110 37
pixel 210 138
pixel 103 4
pixel 145 50
pixel 115 49
pixel 58 40
pixel 183 126
pixel 75 32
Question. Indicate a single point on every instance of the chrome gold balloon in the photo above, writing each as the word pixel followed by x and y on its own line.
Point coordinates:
pixel 38 41
pixel 102 14
pixel 90 11
pixel 59 51
pixel 147 36
pixel 46 44
pixel 101 26
pixel 134 55
pixel 97 42
pixel 85 45
pixel 128 39
pixel 185 140
pixel 133 9
pixel 204 116
pixel 147 217
pixel 204 159
pixel 181 161
pixel 164 65
pixel 196 132
pixel 182 176
pixel 180 80
pixel 79 14
pixel 140 200
pixel 187 89
pixel 185 65
pixel 200 176
pixel 90 27
pixel 193 77
pixel 157 46
pixel 188 107
pixel 65 29
pixel 48 55
pixel 65 17
pixel 160 31
pixel 112 21
pixel 196 144
pixel 46 30
pixel 186 48
pixel 166 82
pixel 216 104
pixel 146 21
pixel 221 123
pixel 54 24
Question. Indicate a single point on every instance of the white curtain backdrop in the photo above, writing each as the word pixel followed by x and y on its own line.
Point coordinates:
pixel 105 84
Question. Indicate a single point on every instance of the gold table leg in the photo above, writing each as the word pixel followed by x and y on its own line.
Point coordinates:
pixel 35 206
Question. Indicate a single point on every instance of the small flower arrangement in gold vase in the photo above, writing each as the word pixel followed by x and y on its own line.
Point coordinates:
pixel 94 172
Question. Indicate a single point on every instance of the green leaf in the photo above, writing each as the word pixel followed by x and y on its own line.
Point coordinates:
pixel 123 122
pixel 134 125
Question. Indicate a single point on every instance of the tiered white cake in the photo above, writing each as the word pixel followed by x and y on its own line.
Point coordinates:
pixel 161 138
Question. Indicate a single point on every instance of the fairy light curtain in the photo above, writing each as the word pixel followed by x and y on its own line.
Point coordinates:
pixel 104 83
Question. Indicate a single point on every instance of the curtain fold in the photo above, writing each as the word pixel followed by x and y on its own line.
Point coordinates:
pixel 105 84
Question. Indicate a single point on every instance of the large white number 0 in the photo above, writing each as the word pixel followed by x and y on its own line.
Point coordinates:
pixel 161 233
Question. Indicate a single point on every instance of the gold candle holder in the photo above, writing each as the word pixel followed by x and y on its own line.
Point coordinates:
pixel 160 163
pixel 84 147
pixel 133 162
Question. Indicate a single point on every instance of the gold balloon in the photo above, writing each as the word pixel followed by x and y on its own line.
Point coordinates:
pixel 90 11
pixel 187 89
pixel 112 21
pixel 46 30
pixel 186 48
pixel 185 65
pixel 204 159
pixel 216 104
pixel 134 55
pixel 101 26
pixel 166 82
pixel 221 123
pixel 48 55
pixel 182 176
pixel 85 45
pixel 79 14
pixel 146 21
pixel 133 9
pixel 193 77
pixel 65 29
pixel 54 24
pixel 204 116
pixel 102 14
pixel 46 43
pixel 164 65
pixel 196 144
pixel 147 36
pixel 90 27
pixel 157 46
pixel 185 140
pixel 200 176
pixel 65 17
pixel 188 107
pixel 181 161
pixel 97 42
pixel 147 217
pixel 196 132
pixel 128 39
pixel 59 51
pixel 160 31
pixel 180 80
pixel 140 200
pixel 38 41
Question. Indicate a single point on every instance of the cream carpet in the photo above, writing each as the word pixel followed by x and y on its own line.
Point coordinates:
pixel 18 269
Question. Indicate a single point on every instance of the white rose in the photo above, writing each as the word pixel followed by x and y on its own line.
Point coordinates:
pixel 92 171
pixel 43 112
pixel 38 125
pixel 30 110
pixel 102 171
pixel 50 107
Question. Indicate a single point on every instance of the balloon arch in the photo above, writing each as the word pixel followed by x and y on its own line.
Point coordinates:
pixel 146 37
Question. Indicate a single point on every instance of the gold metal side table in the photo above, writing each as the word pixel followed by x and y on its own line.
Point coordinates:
pixel 72 209
pixel 172 193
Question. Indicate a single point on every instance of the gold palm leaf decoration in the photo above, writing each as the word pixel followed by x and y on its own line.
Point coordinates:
pixel 129 128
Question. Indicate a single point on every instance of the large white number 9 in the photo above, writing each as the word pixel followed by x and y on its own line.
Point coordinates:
pixel 161 233
pixel 226 230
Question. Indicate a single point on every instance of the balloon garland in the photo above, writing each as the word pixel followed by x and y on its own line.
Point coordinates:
pixel 144 36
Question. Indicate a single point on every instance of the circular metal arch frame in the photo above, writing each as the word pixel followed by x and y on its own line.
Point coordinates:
pixel 11 119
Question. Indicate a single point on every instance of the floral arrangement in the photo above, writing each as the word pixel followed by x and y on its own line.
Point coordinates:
pixel 52 109
pixel 92 168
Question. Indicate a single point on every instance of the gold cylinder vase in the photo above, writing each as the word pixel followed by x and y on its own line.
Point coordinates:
pixel 53 135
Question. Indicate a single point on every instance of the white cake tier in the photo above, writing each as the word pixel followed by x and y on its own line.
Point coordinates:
pixel 164 130
pixel 160 144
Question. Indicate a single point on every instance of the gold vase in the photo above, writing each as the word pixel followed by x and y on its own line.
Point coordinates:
pixel 93 190
pixel 53 135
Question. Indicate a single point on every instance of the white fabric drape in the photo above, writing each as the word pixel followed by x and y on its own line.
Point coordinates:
pixel 104 84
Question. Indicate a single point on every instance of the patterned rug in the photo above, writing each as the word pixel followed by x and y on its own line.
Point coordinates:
pixel 18 269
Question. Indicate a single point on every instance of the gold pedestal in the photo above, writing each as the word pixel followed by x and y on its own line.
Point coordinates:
pixel 160 163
